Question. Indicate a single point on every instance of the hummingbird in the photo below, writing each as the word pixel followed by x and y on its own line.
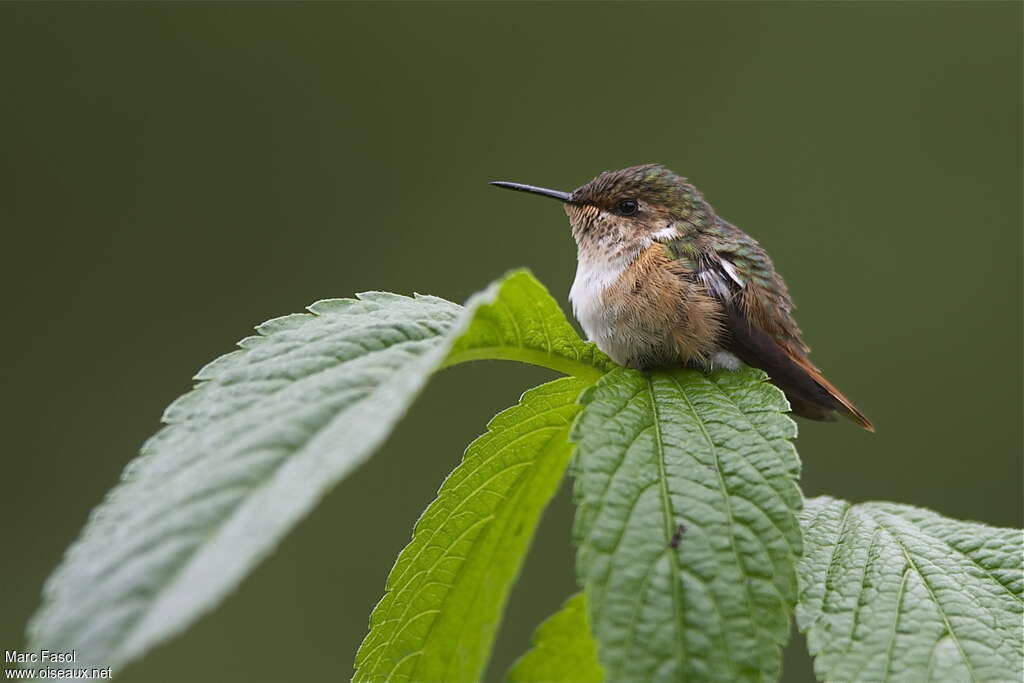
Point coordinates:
pixel 663 281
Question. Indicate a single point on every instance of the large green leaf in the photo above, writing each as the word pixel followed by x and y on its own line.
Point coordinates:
pixel 265 433
pixel 446 594
pixel 896 593
pixel 563 649
pixel 687 525
pixel 527 325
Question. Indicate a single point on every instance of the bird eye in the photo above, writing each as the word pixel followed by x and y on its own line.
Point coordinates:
pixel 627 207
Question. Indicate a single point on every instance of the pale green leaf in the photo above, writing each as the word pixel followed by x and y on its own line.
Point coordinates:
pixel 448 589
pixel 563 649
pixel 265 433
pixel 687 525
pixel 527 325
pixel 897 593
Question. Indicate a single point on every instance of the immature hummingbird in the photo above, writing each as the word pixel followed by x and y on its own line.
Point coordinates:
pixel 663 281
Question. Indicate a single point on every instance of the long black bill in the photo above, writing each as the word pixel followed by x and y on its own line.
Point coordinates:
pixel 532 189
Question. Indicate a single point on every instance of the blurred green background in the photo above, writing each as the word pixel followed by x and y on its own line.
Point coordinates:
pixel 172 174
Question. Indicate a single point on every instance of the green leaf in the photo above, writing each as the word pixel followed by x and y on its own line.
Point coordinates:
pixel 896 593
pixel 687 524
pixel 525 324
pixel 448 589
pixel 563 649
pixel 266 432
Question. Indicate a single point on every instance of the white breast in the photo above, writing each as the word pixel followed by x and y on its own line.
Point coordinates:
pixel 607 324
pixel 593 277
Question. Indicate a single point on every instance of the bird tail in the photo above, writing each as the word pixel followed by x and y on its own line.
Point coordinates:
pixel 810 394
pixel 846 407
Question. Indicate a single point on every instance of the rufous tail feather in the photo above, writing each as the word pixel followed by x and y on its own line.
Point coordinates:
pixel 851 411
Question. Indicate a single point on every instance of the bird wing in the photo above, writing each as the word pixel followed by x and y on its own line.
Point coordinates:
pixel 762 331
